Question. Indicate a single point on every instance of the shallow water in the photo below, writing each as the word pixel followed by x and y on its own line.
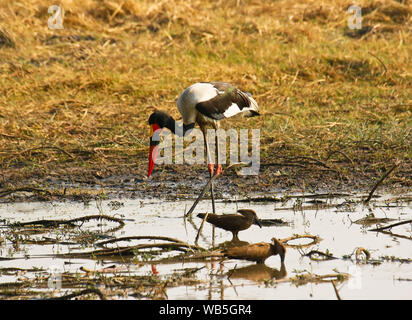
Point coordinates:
pixel 336 226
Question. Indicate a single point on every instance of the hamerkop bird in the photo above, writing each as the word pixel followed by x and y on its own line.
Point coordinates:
pixel 258 252
pixel 233 222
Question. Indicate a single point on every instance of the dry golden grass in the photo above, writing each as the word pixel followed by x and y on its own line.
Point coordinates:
pixel 80 97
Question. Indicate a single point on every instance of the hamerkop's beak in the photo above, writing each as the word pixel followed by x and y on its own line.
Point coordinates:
pixel 282 255
pixel 280 248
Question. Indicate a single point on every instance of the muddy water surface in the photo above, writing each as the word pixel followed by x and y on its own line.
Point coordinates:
pixel 339 222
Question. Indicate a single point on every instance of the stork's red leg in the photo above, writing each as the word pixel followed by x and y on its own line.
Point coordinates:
pixel 219 168
pixel 211 168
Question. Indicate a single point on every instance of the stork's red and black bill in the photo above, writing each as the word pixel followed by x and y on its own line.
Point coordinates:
pixel 154 141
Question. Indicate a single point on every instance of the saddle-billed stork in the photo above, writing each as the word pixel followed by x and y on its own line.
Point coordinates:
pixel 204 103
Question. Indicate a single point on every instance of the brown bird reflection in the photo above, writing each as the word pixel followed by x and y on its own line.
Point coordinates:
pixel 233 222
pixel 258 252
pixel 258 272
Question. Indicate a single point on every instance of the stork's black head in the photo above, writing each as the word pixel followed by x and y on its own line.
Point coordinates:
pixel 160 118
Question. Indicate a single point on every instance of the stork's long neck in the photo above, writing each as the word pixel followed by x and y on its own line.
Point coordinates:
pixel 179 129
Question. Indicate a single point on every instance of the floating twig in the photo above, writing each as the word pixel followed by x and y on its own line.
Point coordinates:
pixel 272 222
pixel 325 256
pixel 110 269
pixel 191 271
pixel 257 199
pixel 314 278
pixel 336 290
pixel 315 239
pixel 361 250
pixel 201 228
pixel 369 220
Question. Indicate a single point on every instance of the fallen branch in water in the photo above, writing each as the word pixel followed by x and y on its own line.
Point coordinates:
pixel 45 241
pixel 202 193
pixel 385 175
pixel 391 225
pixel 81 293
pixel 131 250
pixel 102 243
pixel 110 269
pixel 396 235
pixel 71 222
pixel 192 257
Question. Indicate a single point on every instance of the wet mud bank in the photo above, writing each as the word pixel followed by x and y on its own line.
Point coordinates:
pixel 185 182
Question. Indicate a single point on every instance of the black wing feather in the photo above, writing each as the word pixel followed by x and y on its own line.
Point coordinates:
pixel 215 107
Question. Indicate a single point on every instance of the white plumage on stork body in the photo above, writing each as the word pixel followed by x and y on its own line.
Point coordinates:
pixel 204 103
